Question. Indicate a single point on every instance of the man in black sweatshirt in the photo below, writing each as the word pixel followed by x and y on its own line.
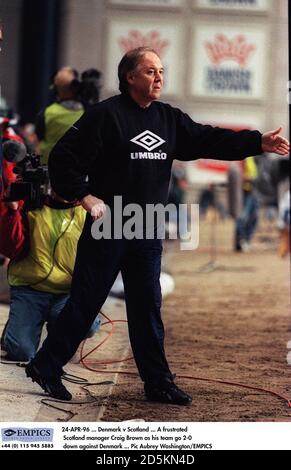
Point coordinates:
pixel 125 146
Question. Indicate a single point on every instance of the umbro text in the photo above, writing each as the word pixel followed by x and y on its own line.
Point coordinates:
pixel 148 156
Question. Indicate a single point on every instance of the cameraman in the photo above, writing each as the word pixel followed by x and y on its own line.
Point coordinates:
pixel 42 246
pixel 56 119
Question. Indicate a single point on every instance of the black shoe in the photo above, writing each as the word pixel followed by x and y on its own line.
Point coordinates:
pixel 168 392
pixel 53 386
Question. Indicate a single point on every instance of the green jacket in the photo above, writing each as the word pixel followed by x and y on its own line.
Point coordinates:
pixel 53 238
pixel 58 119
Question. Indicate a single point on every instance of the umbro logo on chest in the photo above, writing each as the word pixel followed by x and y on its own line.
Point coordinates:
pixel 149 141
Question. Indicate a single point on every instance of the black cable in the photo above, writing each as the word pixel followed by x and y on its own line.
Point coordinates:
pixel 80 380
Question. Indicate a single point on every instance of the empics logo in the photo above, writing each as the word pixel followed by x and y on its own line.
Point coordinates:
pixel 27 434
pixel 148 140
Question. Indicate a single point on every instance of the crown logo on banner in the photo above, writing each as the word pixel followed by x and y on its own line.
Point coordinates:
pixel 137 39
pixel 236 49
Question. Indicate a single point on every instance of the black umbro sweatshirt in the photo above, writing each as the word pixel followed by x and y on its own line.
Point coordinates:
pixel 127 150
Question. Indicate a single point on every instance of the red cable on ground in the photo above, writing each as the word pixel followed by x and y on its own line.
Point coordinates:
pixel 82 357
pixel 189 377
pixel 237 384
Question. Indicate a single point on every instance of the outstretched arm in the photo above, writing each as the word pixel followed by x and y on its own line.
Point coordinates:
pixel 273 142
pixel 195 140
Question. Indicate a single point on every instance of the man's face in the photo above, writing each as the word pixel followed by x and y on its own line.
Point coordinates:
pixel 146 82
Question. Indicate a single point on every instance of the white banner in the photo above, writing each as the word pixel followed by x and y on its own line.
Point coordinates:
pixel 241 5
pixel 229 61
pixel 143 436
pixel 163 36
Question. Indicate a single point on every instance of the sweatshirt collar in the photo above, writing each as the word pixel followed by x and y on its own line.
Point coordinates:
pixel 132 103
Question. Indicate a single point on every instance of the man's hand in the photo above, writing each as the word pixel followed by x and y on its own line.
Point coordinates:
pixel 12 205
pixel 273 142
pixel 96 207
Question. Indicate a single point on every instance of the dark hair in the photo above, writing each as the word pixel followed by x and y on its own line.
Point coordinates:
pixel 90 87
pixel 91 74
pixel 129 62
